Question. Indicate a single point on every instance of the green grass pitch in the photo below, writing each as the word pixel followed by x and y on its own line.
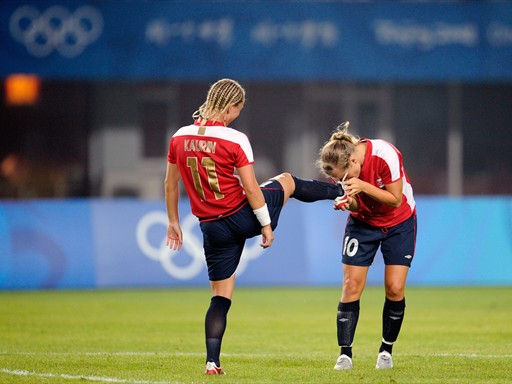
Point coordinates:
pixel 274 335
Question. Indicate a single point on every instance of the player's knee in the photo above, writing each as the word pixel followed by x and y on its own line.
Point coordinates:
pixel 284 177
pixel 286 180
pixel 394 291
pixel 352 288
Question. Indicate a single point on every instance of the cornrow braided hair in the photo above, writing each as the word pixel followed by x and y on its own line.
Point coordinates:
pixel 337 150
pixel 220 96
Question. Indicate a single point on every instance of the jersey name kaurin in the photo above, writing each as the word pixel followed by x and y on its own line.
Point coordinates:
pixel 200 145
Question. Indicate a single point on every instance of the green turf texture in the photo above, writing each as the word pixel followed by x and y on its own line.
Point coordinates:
pixel 274 335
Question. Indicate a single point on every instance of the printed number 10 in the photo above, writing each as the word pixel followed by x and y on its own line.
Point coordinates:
pixel 350 246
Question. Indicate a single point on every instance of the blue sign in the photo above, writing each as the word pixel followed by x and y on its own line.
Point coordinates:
pixel 464 241
pixel 129 239
pixel 307 40
pixel 46 245
pixel 121 243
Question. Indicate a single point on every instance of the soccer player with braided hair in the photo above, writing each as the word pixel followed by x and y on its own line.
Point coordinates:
pixel 215 164
pixel 382 209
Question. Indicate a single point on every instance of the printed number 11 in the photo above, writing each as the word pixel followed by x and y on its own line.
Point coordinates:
pixel 213 181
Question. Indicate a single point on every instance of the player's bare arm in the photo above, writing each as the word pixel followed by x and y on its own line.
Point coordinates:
pixel 256 199
pixel 391 195
pixel 251 186
pixel 352 204
pixel 174 233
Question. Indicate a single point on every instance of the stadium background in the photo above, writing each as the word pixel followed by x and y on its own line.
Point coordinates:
pixel 84 138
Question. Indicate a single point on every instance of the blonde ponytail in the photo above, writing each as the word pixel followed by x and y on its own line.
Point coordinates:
pixel 337 150
pixel 221 95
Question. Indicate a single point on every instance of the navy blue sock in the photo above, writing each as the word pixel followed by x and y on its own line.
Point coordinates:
pixel 392 318
pixel 314 190
pixel 215 325
pixel 346 322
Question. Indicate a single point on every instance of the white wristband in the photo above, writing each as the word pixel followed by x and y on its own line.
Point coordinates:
pixel 262 215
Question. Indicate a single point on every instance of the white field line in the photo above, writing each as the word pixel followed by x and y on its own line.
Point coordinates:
pixel 17 372
pixel 249 355
pixel 470 355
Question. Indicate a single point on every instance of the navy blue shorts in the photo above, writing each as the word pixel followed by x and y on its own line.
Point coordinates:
pixel 224 239
pixel 361 242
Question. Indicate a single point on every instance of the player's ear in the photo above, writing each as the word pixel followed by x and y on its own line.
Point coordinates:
pixel 228 109
pixel 228 115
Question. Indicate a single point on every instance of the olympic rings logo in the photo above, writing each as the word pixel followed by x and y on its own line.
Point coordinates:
pixel 56 29
pixel 192 245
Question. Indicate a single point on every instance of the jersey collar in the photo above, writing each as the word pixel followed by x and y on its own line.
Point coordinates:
pixel 209 123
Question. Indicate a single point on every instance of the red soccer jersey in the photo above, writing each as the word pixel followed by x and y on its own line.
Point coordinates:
pixel 383 165
pixel 207 157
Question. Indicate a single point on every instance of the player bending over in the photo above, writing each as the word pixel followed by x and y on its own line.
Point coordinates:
pixel 382 213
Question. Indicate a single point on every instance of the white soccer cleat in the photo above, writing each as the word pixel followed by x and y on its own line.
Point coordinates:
pixel 340 201
pixel 212 369
pixel 343 363
pixel 384 360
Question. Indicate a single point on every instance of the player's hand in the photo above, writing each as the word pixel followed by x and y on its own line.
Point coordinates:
pixel 174 236
pixel 267 236
pixel 354 186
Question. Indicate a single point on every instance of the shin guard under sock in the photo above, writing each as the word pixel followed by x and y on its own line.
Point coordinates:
pixel 392 318
pixel 215 325
pixel 346 322
pixel 309 191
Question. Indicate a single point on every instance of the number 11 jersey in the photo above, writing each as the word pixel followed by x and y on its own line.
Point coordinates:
pixel 207 157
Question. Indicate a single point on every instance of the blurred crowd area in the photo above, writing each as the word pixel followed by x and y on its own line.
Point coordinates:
pixel 109 139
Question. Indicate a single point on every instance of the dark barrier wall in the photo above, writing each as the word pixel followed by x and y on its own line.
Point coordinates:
pixel 121 243
pixel 279 40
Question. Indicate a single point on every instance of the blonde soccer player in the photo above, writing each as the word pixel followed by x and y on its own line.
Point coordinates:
pixel 382 209
pixel 215 163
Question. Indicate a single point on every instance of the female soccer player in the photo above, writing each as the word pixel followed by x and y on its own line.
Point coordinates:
pixel 382 213
pixel 215 163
